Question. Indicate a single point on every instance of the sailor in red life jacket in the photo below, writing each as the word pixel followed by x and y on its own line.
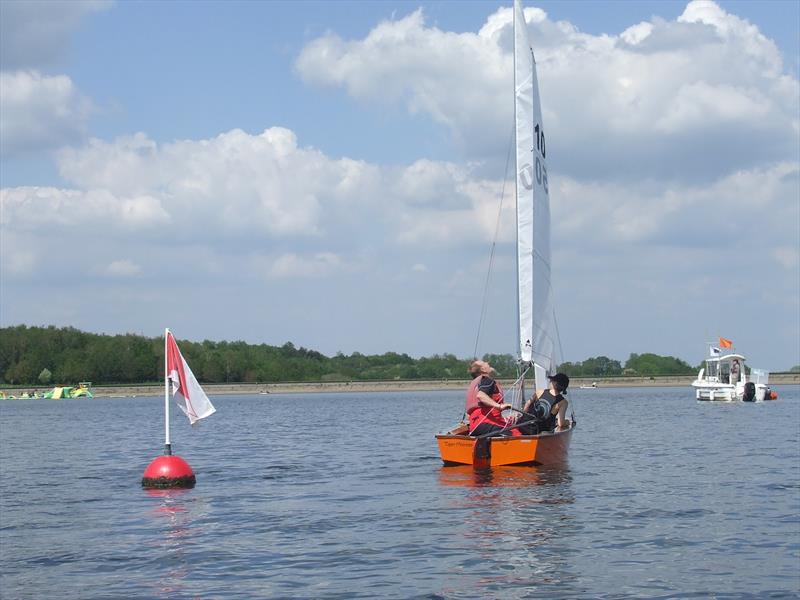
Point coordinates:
pixel 485 404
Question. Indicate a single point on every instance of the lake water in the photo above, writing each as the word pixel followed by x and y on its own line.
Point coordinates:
pixel 344 496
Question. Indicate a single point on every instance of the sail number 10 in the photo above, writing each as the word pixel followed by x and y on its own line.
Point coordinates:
pixel 541 170
pixel 540 140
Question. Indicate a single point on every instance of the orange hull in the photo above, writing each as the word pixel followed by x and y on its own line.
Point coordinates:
pixel 542 449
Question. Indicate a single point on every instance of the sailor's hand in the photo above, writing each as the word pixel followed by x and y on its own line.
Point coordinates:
pixel 504 407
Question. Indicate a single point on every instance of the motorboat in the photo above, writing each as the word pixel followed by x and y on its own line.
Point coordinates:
pixel 724 378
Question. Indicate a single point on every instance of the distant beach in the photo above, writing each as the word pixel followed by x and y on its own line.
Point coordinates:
pixel 396 386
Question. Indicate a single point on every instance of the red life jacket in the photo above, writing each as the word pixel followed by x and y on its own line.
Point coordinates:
pixel 480 413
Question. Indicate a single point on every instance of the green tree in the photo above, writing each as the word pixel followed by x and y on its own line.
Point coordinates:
pixel 601 366
pixel 653 365
pixel 505 364
pixel 22 371
pixel 45 376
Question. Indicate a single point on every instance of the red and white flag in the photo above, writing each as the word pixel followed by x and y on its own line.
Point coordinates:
pixel 188 394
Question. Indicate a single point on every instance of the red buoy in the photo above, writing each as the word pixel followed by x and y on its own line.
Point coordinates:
pixel 168 472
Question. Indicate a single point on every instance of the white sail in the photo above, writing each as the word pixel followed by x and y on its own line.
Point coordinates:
pixel 536 321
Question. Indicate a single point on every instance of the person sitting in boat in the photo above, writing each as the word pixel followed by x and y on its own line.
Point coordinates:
pixel 485 404
pixel 548 406
pixel 735 369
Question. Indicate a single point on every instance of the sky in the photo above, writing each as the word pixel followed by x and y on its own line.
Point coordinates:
pixel 331 173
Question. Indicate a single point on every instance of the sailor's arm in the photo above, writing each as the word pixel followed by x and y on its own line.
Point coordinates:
pixel 484 399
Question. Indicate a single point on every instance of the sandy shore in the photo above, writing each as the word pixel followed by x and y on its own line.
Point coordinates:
pixel 400 386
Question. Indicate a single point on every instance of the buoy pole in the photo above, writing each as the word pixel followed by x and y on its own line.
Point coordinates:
pixel 168 471
pixel 167 445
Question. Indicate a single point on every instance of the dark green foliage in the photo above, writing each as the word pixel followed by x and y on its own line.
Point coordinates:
pixel 73 356
pixel 505 364
pixel 26 353
pixel 653 364
pixel 601 366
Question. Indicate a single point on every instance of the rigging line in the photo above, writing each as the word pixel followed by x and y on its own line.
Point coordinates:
pixel 561 351
pixel 558 334
pixel 484 300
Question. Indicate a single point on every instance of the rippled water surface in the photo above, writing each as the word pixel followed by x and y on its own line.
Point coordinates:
pixel 344 496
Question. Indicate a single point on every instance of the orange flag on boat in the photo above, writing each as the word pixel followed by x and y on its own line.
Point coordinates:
pixel 188 394
pixel 725 343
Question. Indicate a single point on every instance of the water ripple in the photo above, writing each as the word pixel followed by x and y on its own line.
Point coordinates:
pixel 695 501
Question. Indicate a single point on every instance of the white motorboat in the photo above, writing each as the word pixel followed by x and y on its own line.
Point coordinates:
pixel 724 378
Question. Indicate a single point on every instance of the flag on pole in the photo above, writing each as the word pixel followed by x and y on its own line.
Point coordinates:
pixel 714 351
pixel 725 343
pixel 188 394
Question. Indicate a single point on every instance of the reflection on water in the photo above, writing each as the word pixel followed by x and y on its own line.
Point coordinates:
pixel 469 476
pixel 518 526
pixel 694 501
pixel 173 524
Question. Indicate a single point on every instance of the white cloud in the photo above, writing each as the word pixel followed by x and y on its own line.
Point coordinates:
pixel 122 268
pixel 258 187
pixel 18 256
pixel 323 264
pixel 708 76
pixel 731 211
pixel 221 204
pixel 235 181
pixel 55 212
pixel 265 193
pixel 40 112
pixel 787 256
pixel 652 192
pixel 36 34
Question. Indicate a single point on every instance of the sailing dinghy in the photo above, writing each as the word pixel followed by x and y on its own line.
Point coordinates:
pixel 537 330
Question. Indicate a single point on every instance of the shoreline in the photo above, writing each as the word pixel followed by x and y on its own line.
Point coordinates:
pixel 216 389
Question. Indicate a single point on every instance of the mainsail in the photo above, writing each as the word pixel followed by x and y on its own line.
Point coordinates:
pixel 534 293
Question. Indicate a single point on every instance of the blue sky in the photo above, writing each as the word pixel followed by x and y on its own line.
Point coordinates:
pixel 328 173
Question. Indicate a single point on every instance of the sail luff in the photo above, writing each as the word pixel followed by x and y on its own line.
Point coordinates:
pixel 534 294
pixel 516 25
pixel 523 115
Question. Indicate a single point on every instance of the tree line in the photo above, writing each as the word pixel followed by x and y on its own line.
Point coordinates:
pixel 50 355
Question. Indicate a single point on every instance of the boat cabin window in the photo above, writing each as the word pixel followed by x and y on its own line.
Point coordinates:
pixel 712 371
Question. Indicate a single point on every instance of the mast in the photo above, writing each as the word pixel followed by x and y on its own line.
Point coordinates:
pixel 526 175
pixel 516 190
pixel 536 329
pixel 167 446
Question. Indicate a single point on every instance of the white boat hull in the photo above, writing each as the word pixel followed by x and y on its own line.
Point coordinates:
pixel 725 392
pixel 724 378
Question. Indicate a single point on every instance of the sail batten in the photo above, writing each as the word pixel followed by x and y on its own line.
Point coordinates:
pixel 534 292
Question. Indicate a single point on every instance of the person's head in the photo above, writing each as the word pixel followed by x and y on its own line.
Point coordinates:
pixel 480 367
pixel 560 382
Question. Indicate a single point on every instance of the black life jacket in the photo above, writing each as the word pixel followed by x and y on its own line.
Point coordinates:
pixel 543 409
